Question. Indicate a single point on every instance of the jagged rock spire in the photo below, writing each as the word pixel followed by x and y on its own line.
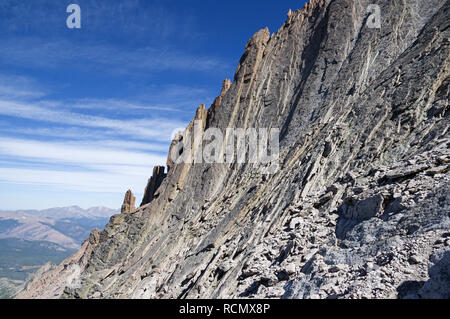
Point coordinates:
pixel 289 13
pixel 128 206
pixel 226 85
pixel 153 184
pixel 175 142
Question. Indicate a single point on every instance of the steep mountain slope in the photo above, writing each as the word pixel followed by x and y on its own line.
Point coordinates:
pixel 359 206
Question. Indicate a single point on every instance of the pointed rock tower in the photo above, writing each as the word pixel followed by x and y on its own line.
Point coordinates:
pixel 153 184
pixel 128 203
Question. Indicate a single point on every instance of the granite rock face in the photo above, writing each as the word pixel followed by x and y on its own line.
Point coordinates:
pixel 359 207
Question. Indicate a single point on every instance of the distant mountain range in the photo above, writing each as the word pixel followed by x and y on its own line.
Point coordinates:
pixel 31 238
pixel 66 226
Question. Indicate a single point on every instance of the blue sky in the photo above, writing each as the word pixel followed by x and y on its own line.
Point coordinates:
pixel 86 113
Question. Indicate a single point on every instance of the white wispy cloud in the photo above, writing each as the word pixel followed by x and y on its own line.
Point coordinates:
pixel 59 131
pixel 126 145
pixel 119 105
pixel 49 54
pixel 90 155
pixel 83 136
pixel 77 165
pixel 98 143
pixel 82 153
pixel 159 129
pixel 20 87
pixel 102 182
pixel 79 152
pixel 157 101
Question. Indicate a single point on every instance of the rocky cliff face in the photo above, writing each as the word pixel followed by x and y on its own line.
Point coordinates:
pixel 359 206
